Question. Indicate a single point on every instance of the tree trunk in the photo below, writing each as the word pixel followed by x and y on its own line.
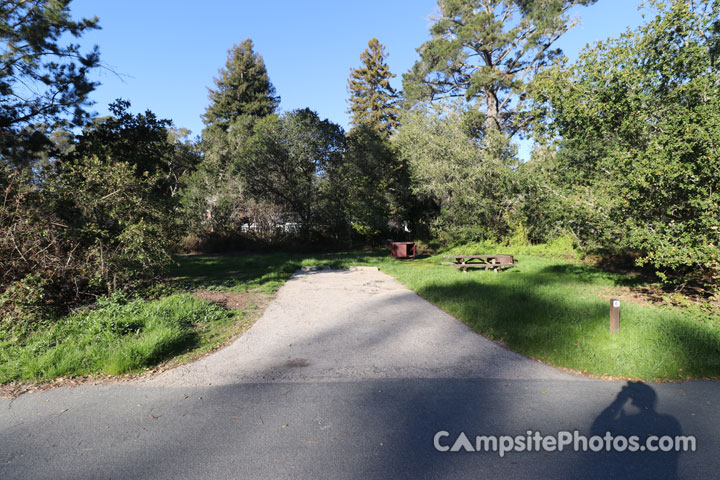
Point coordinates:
pixel 492 122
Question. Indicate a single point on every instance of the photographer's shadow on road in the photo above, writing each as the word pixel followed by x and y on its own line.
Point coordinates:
pixel 633 415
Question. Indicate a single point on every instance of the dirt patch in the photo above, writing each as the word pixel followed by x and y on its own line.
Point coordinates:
pixel 231 300
pixel 632 295
pixel 654 295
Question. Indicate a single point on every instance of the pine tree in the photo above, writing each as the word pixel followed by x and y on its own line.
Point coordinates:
pixel 373 101
pixel 45 79
pixel 243 89
pixel 487 51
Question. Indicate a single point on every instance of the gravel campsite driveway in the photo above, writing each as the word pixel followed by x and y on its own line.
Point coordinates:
pixel 350 325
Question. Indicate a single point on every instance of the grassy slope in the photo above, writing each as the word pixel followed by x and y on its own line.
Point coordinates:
pixel 118 337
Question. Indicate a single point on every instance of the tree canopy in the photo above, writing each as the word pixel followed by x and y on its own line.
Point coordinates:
pixel 486 51
pixel 144 141
pixel 469 183
pixel 289 160
pixel 638 132
pixel 43 79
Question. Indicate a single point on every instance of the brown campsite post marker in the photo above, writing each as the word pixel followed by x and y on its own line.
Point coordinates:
pixel 614 315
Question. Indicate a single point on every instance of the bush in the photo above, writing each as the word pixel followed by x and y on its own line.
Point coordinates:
pixel 640 141
pixel 24 304
pixel 72 232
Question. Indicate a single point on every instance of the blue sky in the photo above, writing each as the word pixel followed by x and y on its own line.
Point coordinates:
pixel 167 52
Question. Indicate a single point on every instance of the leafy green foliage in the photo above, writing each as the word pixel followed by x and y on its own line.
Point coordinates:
pixel 94 227
pixel 149 145
pixel 471 184
pixel 215 205
pixel 291 161
pixel 485 52
pixel 373 101
pixel 77 218
pixel 378 200
pixel 639 150
pixel 24 303
pixel 542 211
pixel 375 182
pixel 213 201
pixel 115 221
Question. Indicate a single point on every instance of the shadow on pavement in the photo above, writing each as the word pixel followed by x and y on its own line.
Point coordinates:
pixel 350 430
pixel 645 423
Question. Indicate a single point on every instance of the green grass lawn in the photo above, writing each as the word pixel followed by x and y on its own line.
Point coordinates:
pixel 558 312
pixel 548 308
pixel 119 336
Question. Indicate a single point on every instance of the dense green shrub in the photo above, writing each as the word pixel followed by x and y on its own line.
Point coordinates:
pixel 71 232
pixel 640 135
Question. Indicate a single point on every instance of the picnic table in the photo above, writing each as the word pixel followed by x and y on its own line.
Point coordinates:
pixel 488 262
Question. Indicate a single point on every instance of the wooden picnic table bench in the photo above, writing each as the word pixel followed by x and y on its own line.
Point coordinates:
pixel 488 262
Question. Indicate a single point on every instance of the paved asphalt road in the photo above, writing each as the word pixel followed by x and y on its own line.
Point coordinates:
pixel 344 377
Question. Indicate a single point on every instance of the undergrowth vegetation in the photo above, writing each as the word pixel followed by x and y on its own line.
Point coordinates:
pixel 117 337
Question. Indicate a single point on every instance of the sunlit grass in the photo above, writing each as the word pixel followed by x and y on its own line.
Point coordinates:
pixel 559 313
pixel 115 338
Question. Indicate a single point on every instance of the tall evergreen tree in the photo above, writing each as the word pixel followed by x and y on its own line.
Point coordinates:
pixel 243 95
pixel 486 51
pixel 242 89
pixel 373 101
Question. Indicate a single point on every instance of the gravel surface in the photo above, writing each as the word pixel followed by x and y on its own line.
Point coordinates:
pixel 336 325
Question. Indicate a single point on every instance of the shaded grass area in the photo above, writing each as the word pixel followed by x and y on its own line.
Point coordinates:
pixel 559 313
pixel 119 336
pixel 263 272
